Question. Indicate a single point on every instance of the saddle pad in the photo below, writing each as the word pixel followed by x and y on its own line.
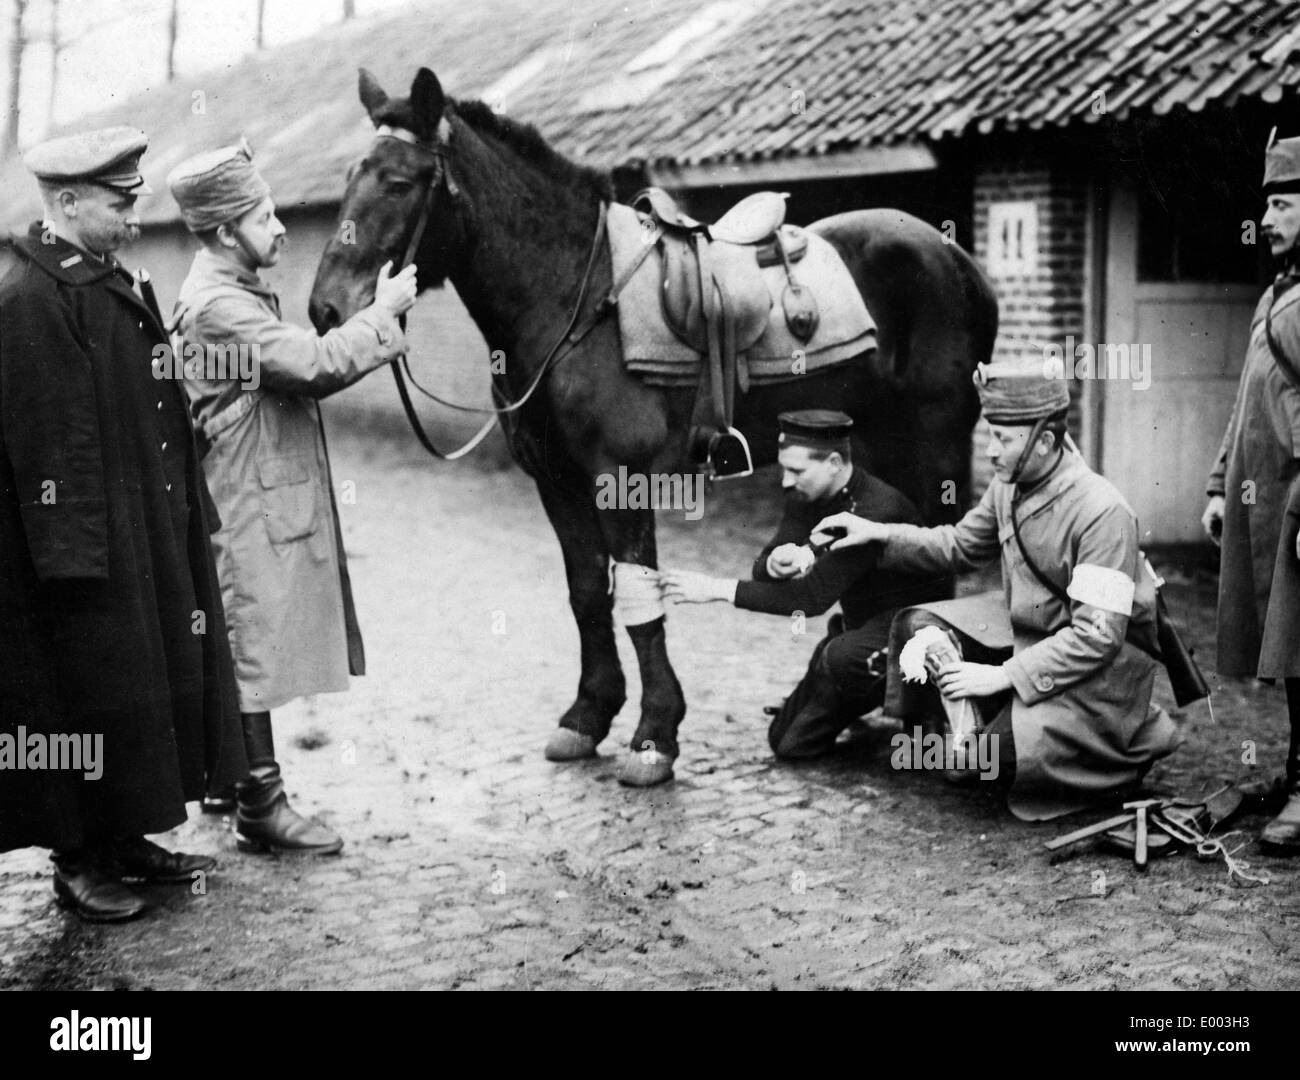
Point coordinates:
pixel 653 351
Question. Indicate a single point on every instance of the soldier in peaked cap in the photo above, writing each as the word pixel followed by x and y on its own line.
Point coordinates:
pixel 1254 488
pixel 1051 664
pixel 846 675
pixel 279 551
pixel 111 625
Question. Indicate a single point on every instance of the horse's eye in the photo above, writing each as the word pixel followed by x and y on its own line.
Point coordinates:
pixel 398 188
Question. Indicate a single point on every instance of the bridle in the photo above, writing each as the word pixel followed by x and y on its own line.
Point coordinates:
pixel 573 334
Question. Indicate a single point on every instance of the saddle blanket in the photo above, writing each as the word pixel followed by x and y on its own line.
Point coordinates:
pixel 653 351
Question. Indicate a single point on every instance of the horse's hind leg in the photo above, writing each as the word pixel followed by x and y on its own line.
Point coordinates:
pixel 601 686
pixel 630 535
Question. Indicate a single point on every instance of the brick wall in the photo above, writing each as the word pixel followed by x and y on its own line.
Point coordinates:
pixel 1037 306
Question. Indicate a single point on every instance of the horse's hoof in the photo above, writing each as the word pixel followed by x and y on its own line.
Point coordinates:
pixel 568 745
pixel 645 768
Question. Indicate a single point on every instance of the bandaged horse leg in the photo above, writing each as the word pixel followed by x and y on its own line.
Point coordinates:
pixel 637 605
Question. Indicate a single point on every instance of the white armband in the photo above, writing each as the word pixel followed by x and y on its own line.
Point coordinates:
pixel 1102 587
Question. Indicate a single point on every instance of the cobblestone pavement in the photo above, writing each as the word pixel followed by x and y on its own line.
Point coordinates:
pixel 472 862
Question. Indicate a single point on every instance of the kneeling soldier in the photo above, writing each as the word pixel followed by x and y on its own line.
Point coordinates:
pixel 279 552
pixel 846 675
pixel 1070 699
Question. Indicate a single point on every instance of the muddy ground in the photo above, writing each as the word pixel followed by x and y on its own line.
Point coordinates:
pixel 473 862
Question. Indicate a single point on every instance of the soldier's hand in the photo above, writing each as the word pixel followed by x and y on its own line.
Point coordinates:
pixel 856 530
pixel 689 587
pixel 964 679
pixel 396 293
pixel 788 561
pixel 1212 519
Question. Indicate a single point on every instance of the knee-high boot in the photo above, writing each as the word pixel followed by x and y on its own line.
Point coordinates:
pixel 264 820
pixel 1283 832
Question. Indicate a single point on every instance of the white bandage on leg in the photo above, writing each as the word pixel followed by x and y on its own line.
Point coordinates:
pixel 636 594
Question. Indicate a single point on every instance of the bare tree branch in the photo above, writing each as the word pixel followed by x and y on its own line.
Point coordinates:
pixel 173 21
pixel 17 46
pixel 56 50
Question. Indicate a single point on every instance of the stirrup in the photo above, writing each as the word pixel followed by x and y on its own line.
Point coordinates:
pixel 729 457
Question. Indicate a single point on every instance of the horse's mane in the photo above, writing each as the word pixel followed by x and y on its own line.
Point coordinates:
pixel 524 139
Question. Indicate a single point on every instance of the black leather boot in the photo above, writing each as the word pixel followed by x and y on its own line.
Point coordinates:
pixel 1283 833
pixel 84 884
pixel 264 820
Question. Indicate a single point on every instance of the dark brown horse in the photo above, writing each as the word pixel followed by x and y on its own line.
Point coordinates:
pixel 511 223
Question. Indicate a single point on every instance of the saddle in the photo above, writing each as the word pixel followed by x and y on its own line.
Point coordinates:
pixel 715 300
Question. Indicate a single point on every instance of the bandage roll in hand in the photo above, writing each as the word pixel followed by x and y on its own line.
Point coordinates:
pixel 927 653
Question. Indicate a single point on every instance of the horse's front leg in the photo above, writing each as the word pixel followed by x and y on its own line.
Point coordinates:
pixel 630 537
pixel 601 686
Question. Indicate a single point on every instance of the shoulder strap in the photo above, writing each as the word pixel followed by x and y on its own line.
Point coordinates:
pixel 1046 582
pixel 1279 357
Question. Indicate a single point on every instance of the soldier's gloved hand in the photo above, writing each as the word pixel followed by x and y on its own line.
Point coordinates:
pixel 1212 519
pixel 396 293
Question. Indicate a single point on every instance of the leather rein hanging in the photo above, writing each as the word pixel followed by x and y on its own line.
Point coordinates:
pixel 571 336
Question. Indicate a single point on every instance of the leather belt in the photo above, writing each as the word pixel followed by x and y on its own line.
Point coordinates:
pixel 229 415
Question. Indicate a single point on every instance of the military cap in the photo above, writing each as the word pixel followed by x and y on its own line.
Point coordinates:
pixel 109 156
pixel 1281 165
pixel 1012 393
pixel 217 186
pixel 817 429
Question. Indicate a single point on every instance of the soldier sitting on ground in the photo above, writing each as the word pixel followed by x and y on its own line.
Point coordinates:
pixel 1069 702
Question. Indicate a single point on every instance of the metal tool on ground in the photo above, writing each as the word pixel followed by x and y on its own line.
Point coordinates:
pixel 1178 823
pixel 1140 809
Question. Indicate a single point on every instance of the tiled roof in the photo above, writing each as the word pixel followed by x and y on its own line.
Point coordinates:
pixel 795 78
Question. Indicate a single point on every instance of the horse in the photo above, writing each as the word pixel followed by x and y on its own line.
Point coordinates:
pixel 483 200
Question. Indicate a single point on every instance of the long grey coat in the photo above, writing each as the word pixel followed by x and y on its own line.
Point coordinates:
pixel 1082 717
pixel 1258 473
pixel 279 552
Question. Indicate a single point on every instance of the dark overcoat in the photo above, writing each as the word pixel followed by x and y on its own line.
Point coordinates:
pixel 1258 473
pixel 110 613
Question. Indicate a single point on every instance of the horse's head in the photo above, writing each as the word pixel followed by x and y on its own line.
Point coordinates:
pixel 401 181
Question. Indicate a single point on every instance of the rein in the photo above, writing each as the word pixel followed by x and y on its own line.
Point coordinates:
pixel 572 335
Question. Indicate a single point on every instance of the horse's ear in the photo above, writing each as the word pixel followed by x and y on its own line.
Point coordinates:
pixel 372 94
pixel 427 102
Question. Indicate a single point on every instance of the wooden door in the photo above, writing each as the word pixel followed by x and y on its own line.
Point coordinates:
pixel 1158 442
